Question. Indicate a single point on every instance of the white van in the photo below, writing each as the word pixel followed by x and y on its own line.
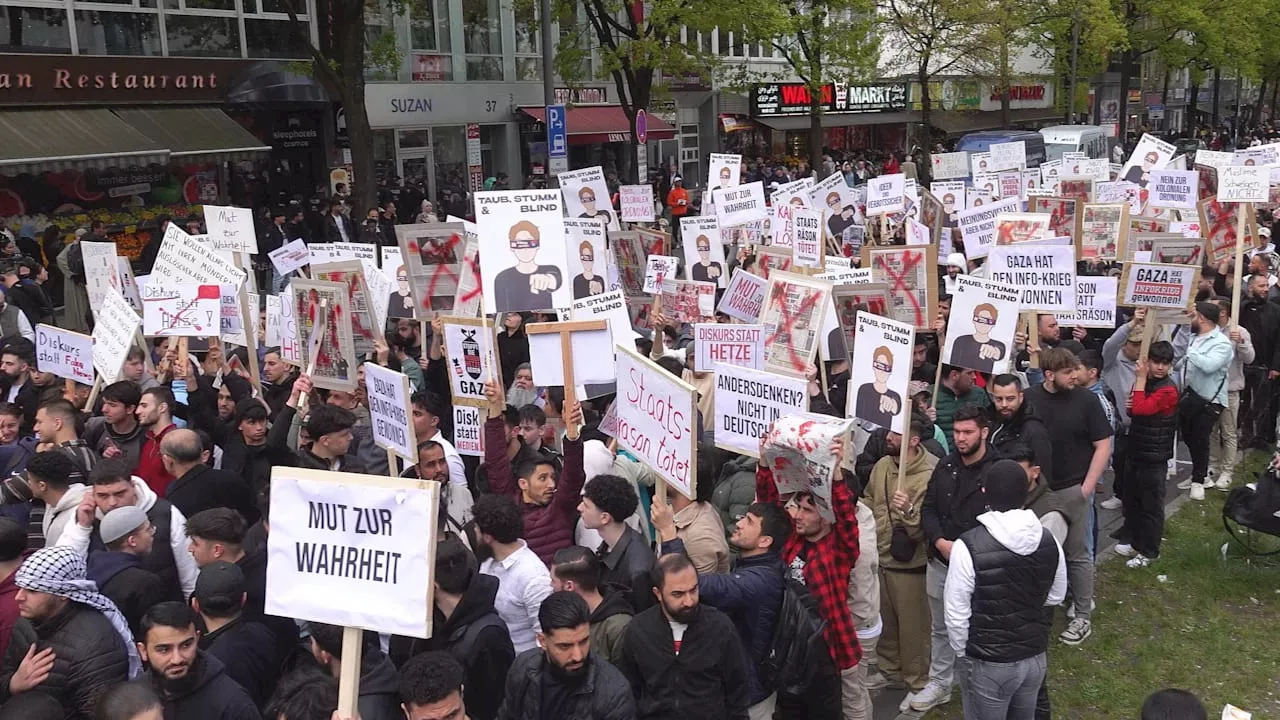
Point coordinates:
pixel 1089 139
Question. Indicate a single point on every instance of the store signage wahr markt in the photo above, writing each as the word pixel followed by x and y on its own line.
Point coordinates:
pixel 776 99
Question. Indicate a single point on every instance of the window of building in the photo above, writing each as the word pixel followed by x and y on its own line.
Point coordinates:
pixel 203 36
pixel 690 157
pixel 379 29
pixel 482 38
pixel 273 39
pixel 34 30
pixel 528 57
pixel 429 27
pixel 117 33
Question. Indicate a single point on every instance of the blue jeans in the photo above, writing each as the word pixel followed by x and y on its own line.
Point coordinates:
pixel 1001 691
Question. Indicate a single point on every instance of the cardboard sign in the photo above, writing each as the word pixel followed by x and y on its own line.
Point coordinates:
pixel 586 196
pixel 740 204
pixel 1095 303
pixel 1244 183
pixel 231 229
pixel 116 325
pixel 64 353
pixel 1177 189
pixel 1158 286
pixel 723 170
pixel 688 300
pixel 129 284
pixel 659 268
pixel 882 355
pixel 949 166
pixel 808 250
pixel 703 250
pixel 1214 158
pixel 101 271
pixel 389 411
pixel 658 420
pixel 792 317
pixel 911 274
pixel 636 203
pixel 1008 156
pixel 1045 274
pixel 469 346
pixel 352 550
pixel 292 256
pixel 748 401
pixel 744 297
pixel 610 307
pixel 984 319
pixel 181 309
pixel 885 194
pixel 978 225
pixel 717 343
pixel 183 260
pixel 335 364
pixel 522 250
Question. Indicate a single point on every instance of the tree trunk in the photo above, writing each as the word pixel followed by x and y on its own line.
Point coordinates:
pixel 1126 70
pixel 1275 90
pixel 1006 79
pixel 1257 105
pixel 815 129
pixel 1164 98
pixel 1217 91
pixel 1192 122
pixel 926 111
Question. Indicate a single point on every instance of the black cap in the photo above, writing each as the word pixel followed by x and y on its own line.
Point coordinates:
pixel 1209 310
pixel 220 583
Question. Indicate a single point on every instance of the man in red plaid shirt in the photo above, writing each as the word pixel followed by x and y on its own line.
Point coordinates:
pixel 821 554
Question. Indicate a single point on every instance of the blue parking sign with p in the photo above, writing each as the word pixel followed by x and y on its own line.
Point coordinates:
pixel 557 132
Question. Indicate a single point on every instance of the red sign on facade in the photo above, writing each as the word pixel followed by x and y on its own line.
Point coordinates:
pixel 1020 92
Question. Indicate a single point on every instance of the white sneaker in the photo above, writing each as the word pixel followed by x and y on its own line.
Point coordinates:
pixel 1125 550
pixel 1197 491
pixel 1138 561
pixel 1111 503
pixel 1077 631
pixel 1224 480
pixel 930 696
pixel 905 705
pixel 1185 484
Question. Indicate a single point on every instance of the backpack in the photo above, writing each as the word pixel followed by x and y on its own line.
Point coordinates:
pixel 797 652
pixel 1256 508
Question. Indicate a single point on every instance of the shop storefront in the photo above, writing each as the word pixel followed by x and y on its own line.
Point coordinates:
pixel 855 117
pixel 596 134
pixel 961 105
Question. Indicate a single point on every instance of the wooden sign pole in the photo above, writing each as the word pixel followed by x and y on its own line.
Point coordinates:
pixel 93 394
pixel 349 677
pixel 1239 269
pixel 313 348
pixel 1032 318
pixel 250 331
pixel 1148 334
pixel 184 355
pixel 906 440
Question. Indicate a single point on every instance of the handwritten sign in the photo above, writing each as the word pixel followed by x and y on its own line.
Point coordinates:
pixel 748 401
pixel 744 297
pixel 1095 303
pixel 1046 274
pixel 64 353
pixel 718 343
pixel 658 268
pixel 949 166
pixel 231 229
pixel 183 260
pixel 101 271
pixel 636 202
pixel 1244 183
pixel 389 411
pixel 113 333
pixel 292 256
pixel 181 309
pixel 658 419
pixel 1177 189
pixel 1008 156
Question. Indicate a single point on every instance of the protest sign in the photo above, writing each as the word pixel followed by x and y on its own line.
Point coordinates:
pixel 586 196
pixel 800 449
pixel 718 343
pixel 740 204
pixel 834 194
pixel 1104 229
pixel 1095 303
pixel 389 414
pixel 786 198
pixel 1177 189
pixel 101 271
pixel 1151 153
pixel 181 309
pixel 290 257
pixel 703 250
pixel 320 303
pixel 468 430
pixel 587 257
pixel 1159 286
pixel 1185 228
pixel 183 260
pixel 1014 228
pixel 1214 158
pixel 657 269
pixel 748 401
pixel 610 307
pixel 364 325
pixel 658 420
pixel 379 289
pixel 1008 155
pixel 569 354
pixel 744 297
pixel 1178 251
pixel 688 300
pixel 320 252
pixel 978 225
pixel 129 284
pixel 884 346
pixel 469 345
pixel 984 318
pixel 1064 214
pixel 792 317
pixel 1010 184
pixel 230 321
pixel 231 229
pixel 839 262
pixel 522 249
pixel 272 309
pixel 636 203
pixel 391 260
pixel 979 164
pixel 723 170
pixel 630 250
pixel 949 166
pixel 115 326
pixel 848 276
pixel 467 300
pixel 884 194
pixel 808 250
pixel 1243 183
pixel 1219 223
pixel 290 344
pixel 352 550
pixel 431 253
pixel 1044 274
pixel 64 353
pixel 912 278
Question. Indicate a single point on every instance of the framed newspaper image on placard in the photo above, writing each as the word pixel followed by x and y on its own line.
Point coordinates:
pixel 792 320
pixel 910 273
pixel 1064 214
pixel 324 304
pixel 1104 228
pixel 432 253
pixel 1178 251
pixel 851 299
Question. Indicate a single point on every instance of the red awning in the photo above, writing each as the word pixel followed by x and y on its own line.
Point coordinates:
pixel 597 124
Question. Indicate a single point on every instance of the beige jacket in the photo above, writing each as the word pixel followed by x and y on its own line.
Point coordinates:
pixel 699 526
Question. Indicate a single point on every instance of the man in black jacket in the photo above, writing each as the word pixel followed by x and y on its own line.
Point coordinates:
pixel 379 690
pixel 191 684
pixel 607 501
pixel 244 646
pixel 17 360
pixel 684 659
pixel 563 679
pixel 118 571
pixel 466 626
pixel 1261 318
pixel 338 228
pixel 1014 421
pixel 196 486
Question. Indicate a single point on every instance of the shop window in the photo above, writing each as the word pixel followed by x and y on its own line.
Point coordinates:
pixel 117 33
pixel 429 26
pixel 202 36
pixel 415 139
pixel 528 69
pixel 450 157
pixel 34 30
pixel 273 39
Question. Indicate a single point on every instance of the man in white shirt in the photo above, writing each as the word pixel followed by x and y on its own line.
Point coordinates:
pixel 523 581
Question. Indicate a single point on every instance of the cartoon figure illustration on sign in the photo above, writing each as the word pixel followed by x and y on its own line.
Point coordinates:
pixel 588 283
pixel 587 197
pixel 400 302
pixel 876 403
pixel 841 217
pixel 527 285
pixel 726 175
pixel 978 351
pixel 705 270
pixel 1140 173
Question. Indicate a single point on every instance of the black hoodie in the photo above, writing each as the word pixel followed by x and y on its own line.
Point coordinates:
pixel 1025 428
pixel 121 577
pixel 247 649
pixel 379 688
pixel 208 693
pixel 953 500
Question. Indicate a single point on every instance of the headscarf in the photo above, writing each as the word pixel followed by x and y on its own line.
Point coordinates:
pixel 61 571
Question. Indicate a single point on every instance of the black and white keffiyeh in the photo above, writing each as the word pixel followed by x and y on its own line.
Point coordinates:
pixel 61 571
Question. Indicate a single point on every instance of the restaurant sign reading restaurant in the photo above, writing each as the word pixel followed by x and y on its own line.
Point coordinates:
pixel 775 99
pixel 61 79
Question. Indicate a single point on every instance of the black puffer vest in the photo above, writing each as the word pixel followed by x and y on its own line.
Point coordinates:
pixel 1151 436
pixel 1008 621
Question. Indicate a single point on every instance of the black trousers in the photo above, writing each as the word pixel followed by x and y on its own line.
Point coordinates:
pixel 1119 456
pixel 1256 421
pixel 1195 429
pixel 1144 507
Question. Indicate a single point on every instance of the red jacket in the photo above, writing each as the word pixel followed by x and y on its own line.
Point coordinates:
pixel 8 610
pixel 547 528
pixel 151 465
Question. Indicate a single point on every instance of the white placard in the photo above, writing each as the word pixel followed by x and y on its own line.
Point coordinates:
pixel 1156 285
pixel 978 225
pixel 1214 158
pixel 808 249
pixel 320 520
pixel 1095 303
pixel 1045 274
pixel 129 284
pixel 885 194
pixel 703 251
pixel 101 271
pixel 231 229
pixel 979 164
pixel 658 268
pixel 290 347
pixel 116 325
pixel 748 401
pixel 636 203
pixel 723 170
pixel 468 430
pixel 1009 155
pixel 1244 183
pixel 984 318
pixel 230 321
pixel 610 307
pixel 391 261
pixel 181 309
pixel 744 297
pixel 1186 228
pixel 292 256
pixel 882 358
pixel 838 262
pixel 1177 189
pixel 724 344
pixel 380 289
pixel 389 414
pixel 340 251
pixel 658 420
pixel 586 239
pixel 848 276
pixel 950 166
pixel 471 355
pixel 739 204
pixel 273 320
pixel 64 353
pixel 183 260
pixel 586 196
pixel 917 233
pixel 591 350
pixel 1151 153
pixel 522 250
